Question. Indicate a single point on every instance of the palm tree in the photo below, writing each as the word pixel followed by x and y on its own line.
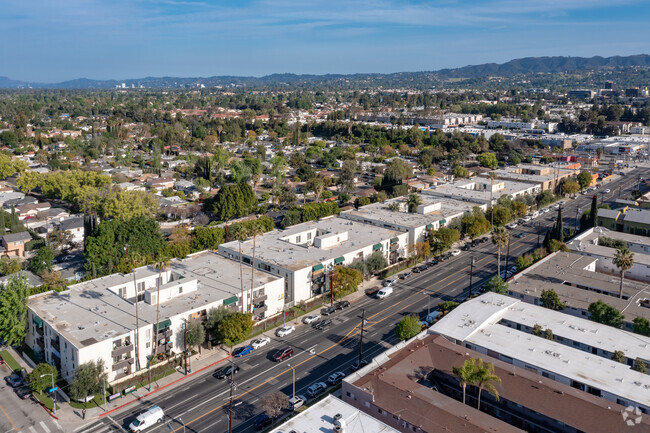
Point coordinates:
pixel 414 201
pixel 492 175
pixel 483 378
pixel 466 374
pixel 162 262
pixel 239 232
pixel 624 260
pixel 254 231
pixel 499 238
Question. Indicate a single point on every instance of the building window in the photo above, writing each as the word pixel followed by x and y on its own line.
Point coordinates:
pixel 349 394
pixel 180 289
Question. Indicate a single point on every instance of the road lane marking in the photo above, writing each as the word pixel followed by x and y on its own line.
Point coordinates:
pixel 8 417
pixel 47 430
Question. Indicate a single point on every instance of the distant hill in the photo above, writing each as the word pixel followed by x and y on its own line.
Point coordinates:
pixel 528 65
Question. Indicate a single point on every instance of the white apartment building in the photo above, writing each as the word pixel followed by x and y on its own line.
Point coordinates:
pixel 481 190
pixel 304 254
pixel 579 354
pixel 96 319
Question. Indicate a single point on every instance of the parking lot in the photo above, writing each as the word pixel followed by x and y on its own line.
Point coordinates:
pixel 22 416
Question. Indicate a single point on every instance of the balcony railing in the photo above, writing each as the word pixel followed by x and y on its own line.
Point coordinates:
pixel 39 331
pixel 260 310
pixel 164 344
pixel 121 350
pixel 167 332
pixel 122 374
pixel 122 363
pixel 260 298
pixel 56 345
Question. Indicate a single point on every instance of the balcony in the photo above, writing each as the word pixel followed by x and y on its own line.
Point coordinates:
pixel 165 345
pixel 119 365
pixel 260 310
pixel 39 341
pixel 122 374
pixel 56 345
pixel 166 333
pixel 39 331
pixel 121 350
pixel 260 299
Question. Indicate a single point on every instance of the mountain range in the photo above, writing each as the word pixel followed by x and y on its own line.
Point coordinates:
pixel 528 65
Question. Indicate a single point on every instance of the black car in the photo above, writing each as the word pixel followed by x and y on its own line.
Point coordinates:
pixel 466 247
pixel 475 242
pixel 226 371
pixel 483 240
pixel 326 311
pixel 23 392
pixel 322 324
pixel 359 364
pixel 342 304
pixel 263 421
pixel 14 380
pixel 373 291
pixel 416 270
pixel 433 262
pixel 521 235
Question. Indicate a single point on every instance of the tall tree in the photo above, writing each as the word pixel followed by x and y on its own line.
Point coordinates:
pixel 162 262
pixel 13 309
pixel 414 200
pixel 623 260
pixel 593 216
pixel 484 379
pixel 466 374
pixel 500 239
pixel 492 175
pixel 88 380
pixel 240 233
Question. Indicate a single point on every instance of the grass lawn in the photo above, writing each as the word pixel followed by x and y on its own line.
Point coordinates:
pixel 11 362
pixel 46 400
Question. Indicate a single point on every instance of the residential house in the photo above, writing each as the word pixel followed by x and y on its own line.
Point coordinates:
pixel 13 244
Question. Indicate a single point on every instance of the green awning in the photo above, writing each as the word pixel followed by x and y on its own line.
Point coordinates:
pixel 429 226
pixel 394 240
pixel 443 222
pixel 37 321
pixel 376 247
pixel 317 267
pixel 339 260
pixel 164 324
pixel 230 300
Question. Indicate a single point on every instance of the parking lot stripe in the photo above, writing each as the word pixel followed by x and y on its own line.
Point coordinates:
pixel 8 417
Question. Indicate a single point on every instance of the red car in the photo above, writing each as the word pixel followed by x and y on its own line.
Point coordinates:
pixel 281 354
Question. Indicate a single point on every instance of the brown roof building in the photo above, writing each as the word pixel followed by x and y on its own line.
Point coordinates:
pixel 412 388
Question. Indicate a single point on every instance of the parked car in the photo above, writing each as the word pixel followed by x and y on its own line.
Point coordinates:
pixel 296 402
pixel 511 226
pixel 24 392
pixel 402 276
pixel 433 262
pixel 322 324
pixel 326 311
pixel 520 235
pixel 466 247
pixel 607 191
pixel 388 282
pixel 260 342
pixel 262 421
pixel 423 267
pixel 373 290
pixel 342 304
pixel 226 371
pixel 285 330
pixel 483 240
pixel 241 351
pixel 526 218
pixel 316 389
pixel 359 364
pixel 475 242
pixel 286 352
pixel 311 319
pixel 417 270
pixel 455 253
pixel 384 292
pixel 14 380
pixel 335 377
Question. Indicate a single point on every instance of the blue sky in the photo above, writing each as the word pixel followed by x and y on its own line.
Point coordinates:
pixel 49 41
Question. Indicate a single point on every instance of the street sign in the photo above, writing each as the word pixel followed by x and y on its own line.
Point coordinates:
pixel 53 389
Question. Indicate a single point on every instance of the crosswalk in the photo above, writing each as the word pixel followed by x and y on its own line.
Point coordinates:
pixel 42 427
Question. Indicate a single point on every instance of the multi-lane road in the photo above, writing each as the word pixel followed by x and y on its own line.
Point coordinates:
pixel 201 403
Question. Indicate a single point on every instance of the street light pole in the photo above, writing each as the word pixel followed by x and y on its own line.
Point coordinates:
pixel 53 391
pixel 471 274
pixel 185 343
pixel 363 322
pixel 182 422
pixel 576 228
pixel 293 371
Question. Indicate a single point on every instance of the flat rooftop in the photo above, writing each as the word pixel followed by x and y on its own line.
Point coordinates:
pixel 577 287
pixel 89 312
pixel 589 245
pixel 461 189
pixel 597 232
pixel 477 322
pixel 381 212
pixel 398 382
pixel 272 247
pixel 319 418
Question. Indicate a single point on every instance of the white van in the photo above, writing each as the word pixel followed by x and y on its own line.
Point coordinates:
pixel 146 419
pixel 384 292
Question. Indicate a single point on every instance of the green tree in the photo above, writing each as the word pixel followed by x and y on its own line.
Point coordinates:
pixel 443 238
pixel 487 159
pixel 584 179
pixel 548 334
pixel 376 262
pixel 408 327
pixel 605 314
pixel 345 280
pixel 593 215
pixel 195 334
pixel 235 328
pixel 346 176
pixel 13 309
pixel 206 238
pixel 570 187
pixel 500 238
pixel 640 366
pixel 215 316
pixel 414 200
pixel 88 380
pixel 231 201
pixel 361 201
pixel 466 374
pixel 475 225
pixel 497 285
pixel 460 171
pixel 40 379
pixel 537 330
pixel 619 356
pixel 623 260
pixel 484 378
pixel 544 198
pixel 641 325
pixel 549 299
pixel 42 261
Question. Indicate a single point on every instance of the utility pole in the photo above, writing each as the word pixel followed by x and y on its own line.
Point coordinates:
pixel 576 228
pixel 471 274
pixel 363 322
pixel 293 371
pixel 507 257
pixel 185 343
pixel 539 230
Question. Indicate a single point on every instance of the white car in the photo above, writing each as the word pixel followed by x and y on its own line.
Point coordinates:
pixel 455 253
pixel 511 226
pixel 526 218
pixel 607 191
pixel 259 342
pixel 285 330
pixel 311 319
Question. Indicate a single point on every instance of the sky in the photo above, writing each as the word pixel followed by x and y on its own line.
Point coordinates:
pixel 51 41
